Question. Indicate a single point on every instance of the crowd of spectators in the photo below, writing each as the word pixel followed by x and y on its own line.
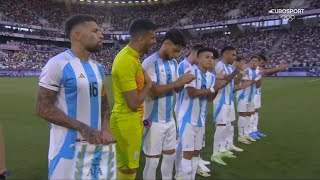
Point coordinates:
pixel 52 13
pixel 300 48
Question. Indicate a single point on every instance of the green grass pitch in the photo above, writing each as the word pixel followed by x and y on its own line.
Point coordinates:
pixel 290 118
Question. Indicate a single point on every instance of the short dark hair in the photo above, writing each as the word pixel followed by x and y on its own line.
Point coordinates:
pixel 227 48
pixel 263 57
pixel 197 47
pixel 175 36
pixel 255 56
pixel 215 53
pixel 206 49
pixel 141 26
pixel 239 58
pixel 75 20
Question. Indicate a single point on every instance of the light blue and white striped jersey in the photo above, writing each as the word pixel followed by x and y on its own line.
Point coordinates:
pixel 79 86
pixel 194 109
pixel 183 65
pixel 258 90
pixel 225 95
pixel 159 108
pixel 247 93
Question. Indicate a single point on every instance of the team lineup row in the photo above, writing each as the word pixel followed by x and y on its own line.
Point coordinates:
pixel 72 97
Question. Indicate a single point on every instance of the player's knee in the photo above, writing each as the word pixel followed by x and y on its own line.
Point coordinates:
pixel 196 153
pixel 188 154
pixel 169 152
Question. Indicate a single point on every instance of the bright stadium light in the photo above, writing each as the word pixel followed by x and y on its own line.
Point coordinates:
pixel 143 1
pixel 96 1
pixel 123 2
pixel 81 0
pixel 103 1
pixel 129 2
pixel 136 1
pixel 117 2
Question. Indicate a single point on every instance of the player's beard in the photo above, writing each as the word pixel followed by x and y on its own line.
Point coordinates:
pixel 94 49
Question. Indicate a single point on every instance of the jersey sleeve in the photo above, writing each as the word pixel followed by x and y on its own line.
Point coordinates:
pixel 101 71
pixel 246 76
pixel 176 73
pixel 193 82
pixel 127 71
pixel 213 80
pixel 51 74
pixel 149 66
pixel 218 68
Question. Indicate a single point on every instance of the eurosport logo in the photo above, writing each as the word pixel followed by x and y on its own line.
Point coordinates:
pixel 286 14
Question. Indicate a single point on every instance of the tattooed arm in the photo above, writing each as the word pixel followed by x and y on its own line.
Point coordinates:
pixel 107 137
pixel 45 109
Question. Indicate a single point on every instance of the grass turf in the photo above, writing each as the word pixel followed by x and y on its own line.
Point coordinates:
pixel 290 118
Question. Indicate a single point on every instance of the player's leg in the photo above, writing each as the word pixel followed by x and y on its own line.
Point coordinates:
pixel 168 152
pixel 227 133
pixel 242 121
pixel 127 133
pixel 187 138
pixel 201 169
pixel 257 103
pixel 219 144
pixel 152 147
pixel 251 110
pixel 179 154
pixel 3 169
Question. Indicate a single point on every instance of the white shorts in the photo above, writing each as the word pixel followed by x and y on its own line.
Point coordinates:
pixel 192 137
pixel 60 168
pixel 245 106
pixel 159 137
pixel 257 101
pixel 222 113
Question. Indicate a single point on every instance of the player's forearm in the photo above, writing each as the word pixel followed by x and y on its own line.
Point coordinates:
pixel 105 113
pixel 273 71
pixel 192 92
pixel 212 96
pixel 244 85
pixel 141 97
pixel 159 90
pixel 232 75
pixel 237 80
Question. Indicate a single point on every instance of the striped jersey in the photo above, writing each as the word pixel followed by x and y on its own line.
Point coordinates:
pixel 78 85
pixel 225 95
pixel 163 72
pixel 258 90
pixel 247 93
pixel 193 110
pixel 183 65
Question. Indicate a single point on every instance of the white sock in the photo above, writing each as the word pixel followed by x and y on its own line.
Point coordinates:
pixel 241 124
pixel 195 163
pixel 150 168
pixel 247 126
pixel 230 136
pixel 256 119
pixel 186 166
pixel 167 165
pixel 218 142
pixel 252 119
pixel 178 158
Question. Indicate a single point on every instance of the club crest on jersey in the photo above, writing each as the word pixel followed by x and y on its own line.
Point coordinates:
pixel 95 169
